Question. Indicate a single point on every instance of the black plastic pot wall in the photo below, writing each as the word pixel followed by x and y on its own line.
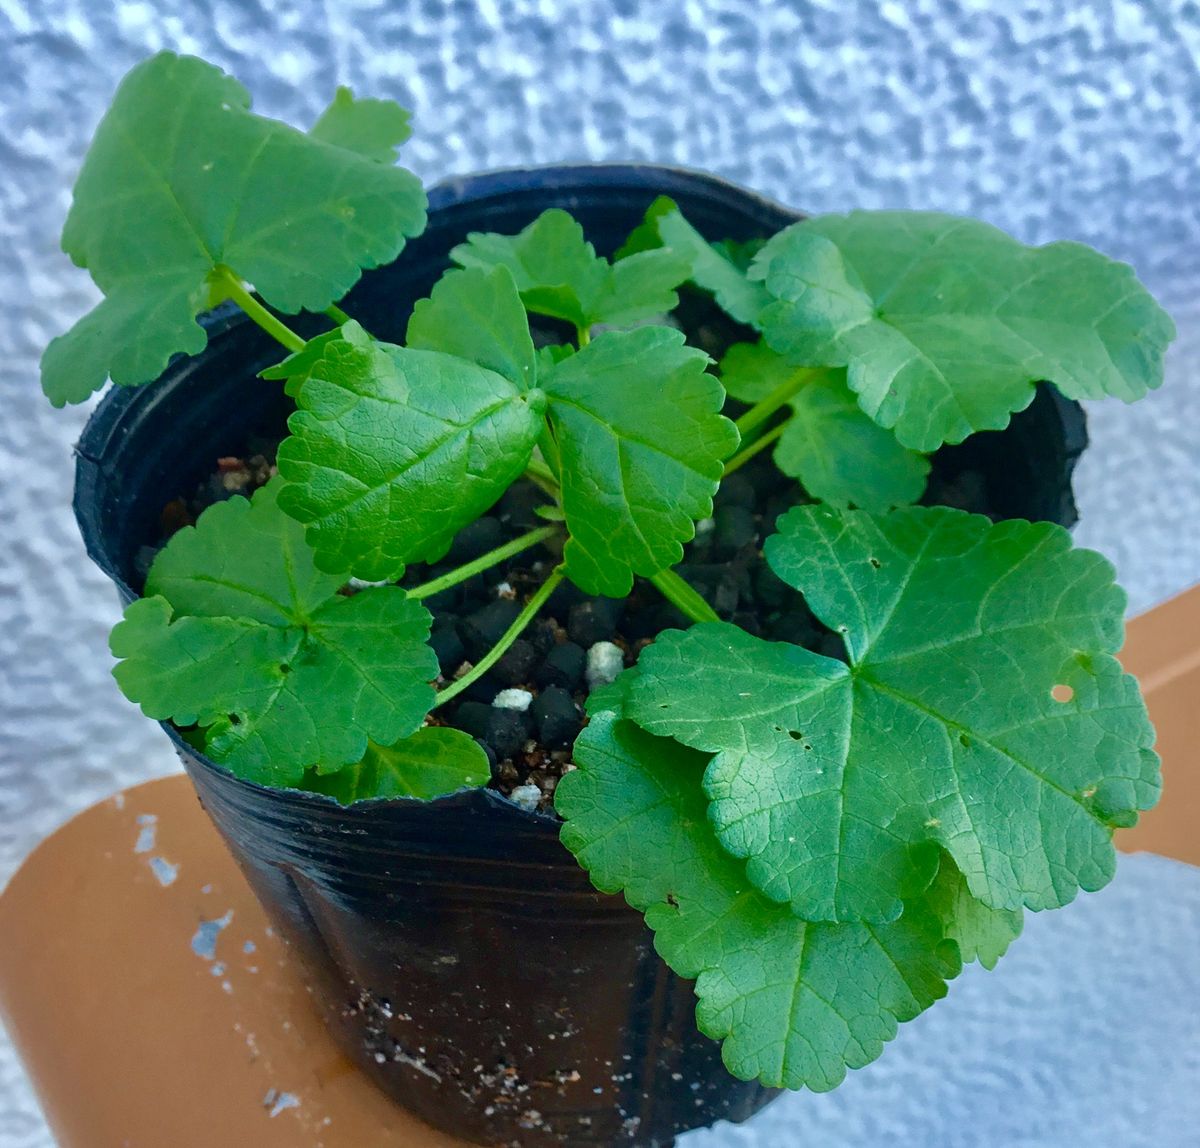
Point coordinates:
pixel 462 957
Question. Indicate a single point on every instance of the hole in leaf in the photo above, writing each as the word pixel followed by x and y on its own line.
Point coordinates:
pixel 964 741
pixel 875 562
pixel 285 668
pixel 671 900
pixel 1061 693
pixel 807 746
pixel 234 719
pixel 795 735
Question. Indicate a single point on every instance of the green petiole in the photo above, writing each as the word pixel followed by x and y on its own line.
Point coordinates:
pixel 765 408
pixel 274 327
pixel 679 593
pixel 759 444
pixel 510 635
pixel 483 562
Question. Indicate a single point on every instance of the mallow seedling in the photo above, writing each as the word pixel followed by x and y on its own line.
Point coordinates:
pixel 820 843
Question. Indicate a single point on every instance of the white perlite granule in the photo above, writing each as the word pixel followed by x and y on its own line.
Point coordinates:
pixel 604 662
pixel 513 700
pixel 526 796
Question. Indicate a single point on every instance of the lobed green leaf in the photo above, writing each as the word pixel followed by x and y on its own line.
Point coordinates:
pixel 713 269
pixel 392 451
pixel 838 453
pixel 433 762
pixel 945 324
pixel 477 315
pixel 795 1003
pixel 243 635
pixel 982 712
pixel 372 128
pixel 982 933
pixel 559 274
pixel 637 420
pixel 182 180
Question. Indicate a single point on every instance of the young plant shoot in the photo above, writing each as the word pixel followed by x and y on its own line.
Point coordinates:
pixel 820 837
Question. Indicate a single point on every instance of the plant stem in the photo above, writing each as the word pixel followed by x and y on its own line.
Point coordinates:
pixel 510 635
pixel 539 474
pixel 759 444
pixel 273 326
pixel 483 562
pixel 583 336
pixel 337 314
pixel 765 408
pixel 679 593
pixel 548 445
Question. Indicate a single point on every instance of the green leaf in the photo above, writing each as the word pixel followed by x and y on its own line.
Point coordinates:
pixel 552 353
pixel 795 1003
pixel 372 128
pixel 839 783
pixel 477 315
pixel 637 420
pixel 838 453
pixel 182 180
pixel 712 269
pixel 982 934
pixel 244 635
pixel 945 324
pixel 298 365
pixel 645 236
pixel 243 559
pixel 559 273
pixel 393 451
pixel 433 762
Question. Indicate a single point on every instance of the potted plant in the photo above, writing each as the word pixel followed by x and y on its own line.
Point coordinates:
pixel 758 493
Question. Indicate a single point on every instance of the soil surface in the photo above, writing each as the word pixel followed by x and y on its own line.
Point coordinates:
pixel 528 709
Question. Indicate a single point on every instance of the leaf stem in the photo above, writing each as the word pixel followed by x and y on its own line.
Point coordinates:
pixel 337 314
pixel 676 591
pixel 483 562
pixel 583 336
pixel 268 322
pixel 541 475
pixel 510 635
pixel 765 408
pixel 759 444
pixel 548 445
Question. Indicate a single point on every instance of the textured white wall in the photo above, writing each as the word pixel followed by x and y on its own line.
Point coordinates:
pixel 1050 118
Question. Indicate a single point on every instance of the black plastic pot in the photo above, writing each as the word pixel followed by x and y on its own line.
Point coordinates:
pixel 461 956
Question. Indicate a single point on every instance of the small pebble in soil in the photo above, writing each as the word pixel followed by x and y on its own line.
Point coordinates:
pixel 557 716
pixel 473 717
pixel 564 666
pixel 735 529
pixel 513 700
pixel 516 663
pixel 483 629
pixel 736 490
pixel 595 620
pixel 448 646
pixel 475 540
pixel 507 731
pixel 605 661
pixel 527 797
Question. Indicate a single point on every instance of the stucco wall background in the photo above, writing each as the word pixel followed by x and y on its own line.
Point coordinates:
pixel 1051 119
